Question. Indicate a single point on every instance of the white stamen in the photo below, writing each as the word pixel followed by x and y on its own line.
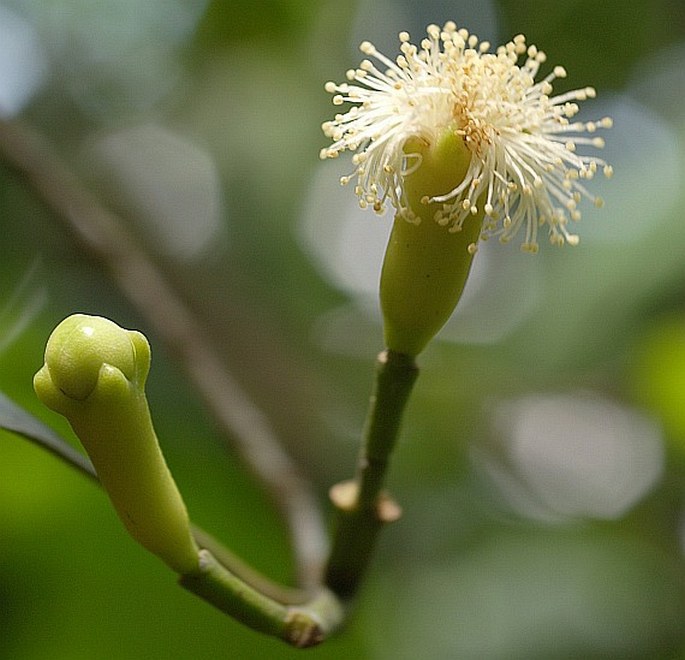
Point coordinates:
pixel 525 171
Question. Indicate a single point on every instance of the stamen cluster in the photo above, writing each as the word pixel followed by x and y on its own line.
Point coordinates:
pixel 524 170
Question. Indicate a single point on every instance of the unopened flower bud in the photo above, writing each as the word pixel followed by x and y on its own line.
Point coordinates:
pixel 94 374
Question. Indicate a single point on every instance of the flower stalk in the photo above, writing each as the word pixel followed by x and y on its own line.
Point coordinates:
pixel 362 505
pixel 302 626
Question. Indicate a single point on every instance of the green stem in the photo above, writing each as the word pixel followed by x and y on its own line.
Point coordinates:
pixel 362 505
pixel 300 625
pixel 246 573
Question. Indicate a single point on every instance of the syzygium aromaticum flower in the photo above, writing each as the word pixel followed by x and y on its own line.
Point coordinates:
pixel 512 163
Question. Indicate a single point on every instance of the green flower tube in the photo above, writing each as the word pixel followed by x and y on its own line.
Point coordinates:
pixel 94 374
pixel 426 264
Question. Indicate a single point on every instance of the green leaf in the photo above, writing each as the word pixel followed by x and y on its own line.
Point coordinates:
pixel 15 419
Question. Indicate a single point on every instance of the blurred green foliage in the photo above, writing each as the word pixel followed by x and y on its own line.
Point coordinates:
pixel 469 572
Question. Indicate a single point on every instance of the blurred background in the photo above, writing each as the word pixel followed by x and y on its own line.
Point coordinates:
pixel 542 463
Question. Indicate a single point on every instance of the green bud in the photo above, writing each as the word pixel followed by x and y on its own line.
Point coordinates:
pixel 94 374
pixel 426 264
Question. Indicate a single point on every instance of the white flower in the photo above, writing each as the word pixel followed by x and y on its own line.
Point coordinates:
pixel 524 168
